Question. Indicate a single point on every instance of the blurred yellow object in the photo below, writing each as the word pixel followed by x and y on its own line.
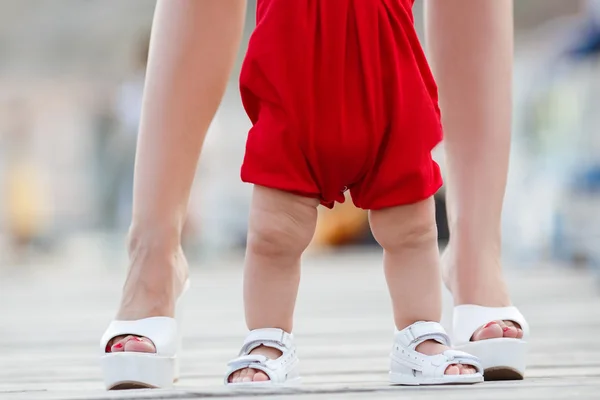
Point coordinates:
pixel 340 225
pixel 23 201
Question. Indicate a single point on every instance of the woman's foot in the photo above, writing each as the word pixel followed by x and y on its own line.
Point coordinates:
pixel 478 279
pixel 498 329
pixel 155 280
pixel 251 374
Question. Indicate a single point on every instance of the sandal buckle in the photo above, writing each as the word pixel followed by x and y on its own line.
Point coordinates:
pixel 411 336
pixel 407 337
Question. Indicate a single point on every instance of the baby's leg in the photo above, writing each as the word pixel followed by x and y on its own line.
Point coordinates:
pixel 281 227
pixel 408 235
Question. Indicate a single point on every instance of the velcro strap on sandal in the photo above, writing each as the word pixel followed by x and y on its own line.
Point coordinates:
pixel 246 361
pixel 269 337
pixel 254 361
pixel 460 357
pixel 441 362
pixel 417 333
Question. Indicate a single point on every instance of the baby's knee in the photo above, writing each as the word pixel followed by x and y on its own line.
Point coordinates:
pixel 404 227
pixel 280 234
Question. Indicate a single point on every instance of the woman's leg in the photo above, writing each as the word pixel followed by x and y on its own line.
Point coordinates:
pixel 471 51
pixel 193 49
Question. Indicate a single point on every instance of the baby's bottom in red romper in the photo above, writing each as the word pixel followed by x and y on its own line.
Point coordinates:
pixel 341 97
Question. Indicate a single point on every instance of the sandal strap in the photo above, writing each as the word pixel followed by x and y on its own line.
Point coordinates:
pixel 415 334
pixel 256 362
pixel 460 357
pixel 268 337
pixel 246 361
pixel 468 318
pixel 435 366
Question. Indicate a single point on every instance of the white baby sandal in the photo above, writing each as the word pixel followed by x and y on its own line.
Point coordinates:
pixel 409 367
pixel 282 371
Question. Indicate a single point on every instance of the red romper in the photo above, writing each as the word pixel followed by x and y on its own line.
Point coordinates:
pixel 341 97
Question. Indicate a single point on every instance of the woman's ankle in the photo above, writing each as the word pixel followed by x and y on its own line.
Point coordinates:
pixel 155 281
pixel 157 272
pixel 475 276
pixel 165 239
pixel 473 250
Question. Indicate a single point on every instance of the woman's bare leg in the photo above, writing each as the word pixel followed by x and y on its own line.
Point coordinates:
pixel 193 49
pixel 471 53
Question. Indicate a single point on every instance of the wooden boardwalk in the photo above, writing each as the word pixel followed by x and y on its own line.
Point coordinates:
pixel 51 319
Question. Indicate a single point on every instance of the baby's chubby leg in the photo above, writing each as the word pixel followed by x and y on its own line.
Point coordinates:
pixel 281 227
pixel 408 235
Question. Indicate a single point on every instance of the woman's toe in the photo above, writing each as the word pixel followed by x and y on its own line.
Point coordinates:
pixel 492 330
pixel 515 330
pixel 510 332
pixel 117 346
pixel 519 333
pixel 139 345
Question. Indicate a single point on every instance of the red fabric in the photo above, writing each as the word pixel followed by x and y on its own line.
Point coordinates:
pixel 340 96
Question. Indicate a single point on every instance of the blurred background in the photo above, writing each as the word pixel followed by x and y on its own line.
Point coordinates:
pixel 71 83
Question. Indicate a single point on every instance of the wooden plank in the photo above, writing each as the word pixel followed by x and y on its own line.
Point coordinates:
pixel 52 319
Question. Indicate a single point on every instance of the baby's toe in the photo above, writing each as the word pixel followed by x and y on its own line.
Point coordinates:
pixel 467 369
pixel 453 370
pixel 260 376
pixel 247 375
pixel 234 378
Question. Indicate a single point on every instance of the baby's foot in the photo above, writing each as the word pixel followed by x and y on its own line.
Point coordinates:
pixel 254 375
pixel 431 348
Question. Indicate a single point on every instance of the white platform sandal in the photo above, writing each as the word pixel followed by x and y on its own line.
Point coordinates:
pixel 409 367
pixel 136 370
pixel 282 371
pixel 502 358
